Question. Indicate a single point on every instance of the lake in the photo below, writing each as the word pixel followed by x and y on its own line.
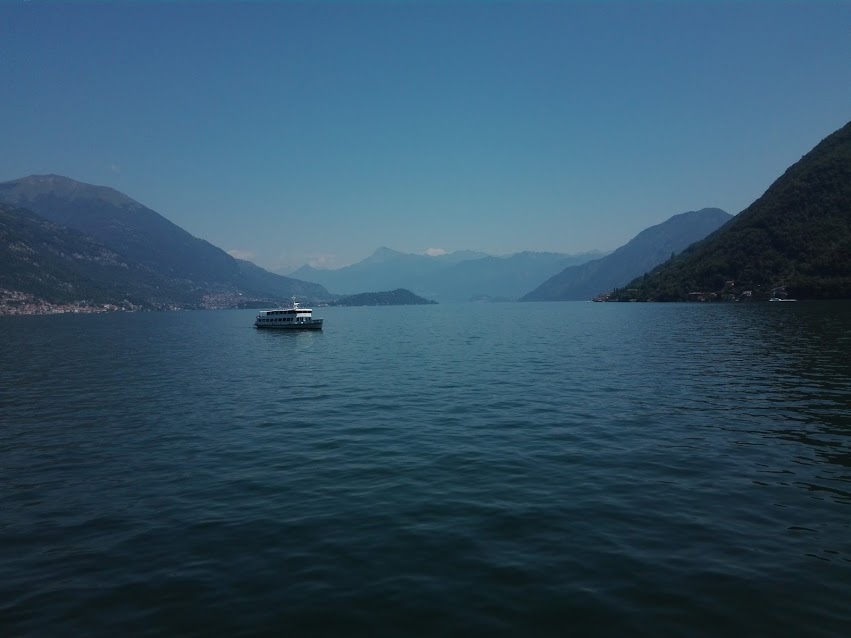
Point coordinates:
pixel 541 469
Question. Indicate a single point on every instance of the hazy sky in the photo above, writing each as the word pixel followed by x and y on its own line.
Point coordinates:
pixel 316 132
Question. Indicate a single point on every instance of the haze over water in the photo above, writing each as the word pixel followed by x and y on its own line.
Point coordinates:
pixel 505 469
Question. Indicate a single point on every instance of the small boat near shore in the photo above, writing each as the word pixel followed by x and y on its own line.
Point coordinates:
pixel 292 318
pixel 781 299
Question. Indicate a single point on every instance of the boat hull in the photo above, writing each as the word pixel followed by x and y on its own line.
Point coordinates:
pixel 315 324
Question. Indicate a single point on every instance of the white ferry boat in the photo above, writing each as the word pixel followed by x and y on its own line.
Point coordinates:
pixel 292 318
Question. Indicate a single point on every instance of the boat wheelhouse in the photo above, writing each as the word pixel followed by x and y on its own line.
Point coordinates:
pixel 292 318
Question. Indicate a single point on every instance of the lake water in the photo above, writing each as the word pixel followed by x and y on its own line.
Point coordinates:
pixel 454 470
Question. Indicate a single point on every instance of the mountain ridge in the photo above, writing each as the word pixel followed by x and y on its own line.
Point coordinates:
pixel 795 238
pixel 646 250
pixel 163 256
pixel 458 276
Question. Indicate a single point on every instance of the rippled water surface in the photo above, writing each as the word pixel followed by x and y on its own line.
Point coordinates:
pixel 454 470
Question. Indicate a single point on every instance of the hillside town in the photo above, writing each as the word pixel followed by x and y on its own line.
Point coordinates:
pixel 13 302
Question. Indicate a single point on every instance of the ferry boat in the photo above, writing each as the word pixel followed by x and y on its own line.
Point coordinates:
pixel 292 318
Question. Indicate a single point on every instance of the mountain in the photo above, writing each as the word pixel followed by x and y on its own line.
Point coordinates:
pixel 134 231
pixel 499 278
pixel 260 281
pixel 384 255
pixel 398 297
pixel 62 265
pixel 797 235
pixel 648 249
pixel 385 269
pixel 458 276
pixel 192 269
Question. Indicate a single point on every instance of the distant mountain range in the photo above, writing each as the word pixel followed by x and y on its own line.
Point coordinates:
pixel 794 240
pixel 385 269
pixel 457 276
pixel 641 254
pixel 65 240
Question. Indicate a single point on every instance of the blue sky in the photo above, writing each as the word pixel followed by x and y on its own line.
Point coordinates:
pixel 301 132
